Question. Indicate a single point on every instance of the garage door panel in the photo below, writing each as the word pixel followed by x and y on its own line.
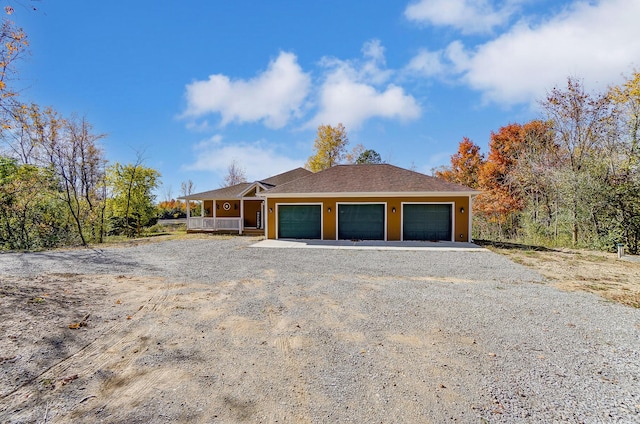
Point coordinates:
pixel 361 222
pixel 426 222
pixel 300 221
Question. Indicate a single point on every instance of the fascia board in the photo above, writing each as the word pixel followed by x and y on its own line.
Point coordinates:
pixel 372 194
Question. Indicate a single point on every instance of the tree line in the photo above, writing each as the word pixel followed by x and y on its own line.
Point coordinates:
pixel 570 178
pixel 56 187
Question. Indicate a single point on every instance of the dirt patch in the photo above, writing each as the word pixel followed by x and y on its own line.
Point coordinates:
pixel 48 320
pixel 572 269
pixel 146 350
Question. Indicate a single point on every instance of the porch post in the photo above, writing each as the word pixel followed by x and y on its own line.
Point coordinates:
pixel 202 209
pixel 214 207
pixel 241 227
pixel 188 212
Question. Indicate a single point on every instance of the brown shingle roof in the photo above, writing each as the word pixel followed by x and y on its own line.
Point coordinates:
pixel 237 190
pixel 221 193
pixel 286 177
pixel 369 178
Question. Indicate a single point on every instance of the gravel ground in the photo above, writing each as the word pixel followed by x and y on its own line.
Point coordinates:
pixel 381 336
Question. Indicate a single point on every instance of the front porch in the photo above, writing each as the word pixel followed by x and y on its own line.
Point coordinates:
pixel 232 216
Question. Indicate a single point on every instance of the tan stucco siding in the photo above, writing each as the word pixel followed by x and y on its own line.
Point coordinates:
pixel 394 219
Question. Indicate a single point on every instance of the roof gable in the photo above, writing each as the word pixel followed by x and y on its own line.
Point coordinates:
pixel 242 189
pixel 221 193
pixel 367 179
pixel 286 177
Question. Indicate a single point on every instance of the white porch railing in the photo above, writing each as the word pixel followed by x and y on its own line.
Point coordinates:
pixel 200 223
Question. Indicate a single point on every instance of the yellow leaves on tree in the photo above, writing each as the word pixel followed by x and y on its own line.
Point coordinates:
pixel 627 98
pixel 13 43
pixel 330 147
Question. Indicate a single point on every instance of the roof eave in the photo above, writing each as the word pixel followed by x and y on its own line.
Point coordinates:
pixel 373 194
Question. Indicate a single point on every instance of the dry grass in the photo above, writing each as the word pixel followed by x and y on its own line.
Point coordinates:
pixel 603 273
pixel 167 236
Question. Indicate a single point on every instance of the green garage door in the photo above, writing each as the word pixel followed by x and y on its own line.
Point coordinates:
pixel 426 222
pixel 300 221
pixel 361 222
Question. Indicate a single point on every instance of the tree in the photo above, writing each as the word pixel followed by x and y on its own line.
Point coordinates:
pixel 235 175
pixel 369 156
pixel 355 153
pixel 131 205
pixel 187 188
pixel 329 146
pixel 533 175
pixel 30 131
pixel 501 198
pixel 13 45
pixel 465 165
pixel 78 162
pixel 69 148
pixel 31 216
pixel 623 200
pixel 171 209
pixel 580 122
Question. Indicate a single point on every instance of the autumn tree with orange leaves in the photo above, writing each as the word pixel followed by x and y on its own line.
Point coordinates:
pixel 571 179
pixel 465 165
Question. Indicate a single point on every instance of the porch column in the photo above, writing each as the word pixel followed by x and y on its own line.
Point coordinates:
pixel 188 212
pixel 202 209
pixel 241 227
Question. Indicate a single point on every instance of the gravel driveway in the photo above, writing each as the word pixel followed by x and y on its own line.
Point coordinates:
pixel 302 335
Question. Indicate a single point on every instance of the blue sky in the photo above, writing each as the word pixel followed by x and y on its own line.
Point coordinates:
pixel 198 84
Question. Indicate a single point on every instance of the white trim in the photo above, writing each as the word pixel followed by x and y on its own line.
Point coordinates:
pixel 302 204
pixel 469 237
pixel 362 203
pixel 213 224
pixel 267 194
pixel 453 216
pixel 253 185
pixel 241 216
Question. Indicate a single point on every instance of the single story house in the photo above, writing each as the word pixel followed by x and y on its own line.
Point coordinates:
pixel 347 202
pixel 235 208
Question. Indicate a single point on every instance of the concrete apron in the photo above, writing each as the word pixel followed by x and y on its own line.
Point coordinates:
pixel 370 245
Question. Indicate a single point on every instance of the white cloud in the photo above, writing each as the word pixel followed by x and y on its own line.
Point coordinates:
pixel 257 159
pixel 211 142
pixel 597 42
pixel 350 93
pixel 202 126
pixel 428 64
pixel 468 16
pixel 273 97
